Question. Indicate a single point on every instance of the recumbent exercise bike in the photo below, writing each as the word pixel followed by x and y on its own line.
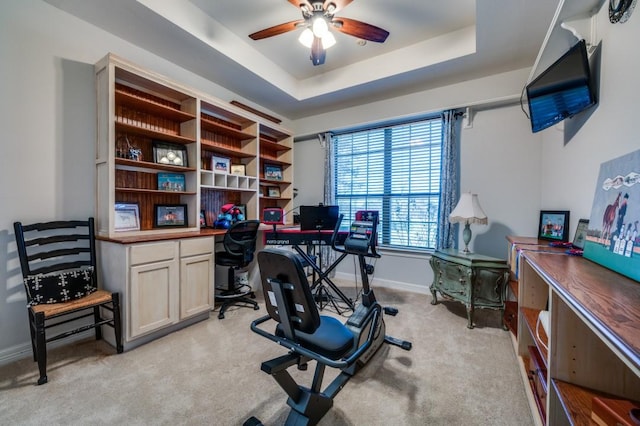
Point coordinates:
pixel 310 336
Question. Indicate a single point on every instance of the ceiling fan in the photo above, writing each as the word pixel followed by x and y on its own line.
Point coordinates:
pixel 318 16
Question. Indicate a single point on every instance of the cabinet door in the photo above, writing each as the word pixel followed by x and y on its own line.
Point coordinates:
pixel 489 287
pixel 455 281
pixel 153 294
pixel 196 281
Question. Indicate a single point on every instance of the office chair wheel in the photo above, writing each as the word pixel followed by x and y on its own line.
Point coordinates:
pixel 252 295
pixel 255 308
pixel 221 315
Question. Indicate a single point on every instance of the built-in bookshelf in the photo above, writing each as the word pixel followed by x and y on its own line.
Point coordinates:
pixel 163 144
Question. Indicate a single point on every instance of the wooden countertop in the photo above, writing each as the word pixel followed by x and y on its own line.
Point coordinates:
pixel 609 302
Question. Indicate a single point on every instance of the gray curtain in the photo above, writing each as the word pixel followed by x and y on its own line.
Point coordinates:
pixel 326 142
pixel 450 184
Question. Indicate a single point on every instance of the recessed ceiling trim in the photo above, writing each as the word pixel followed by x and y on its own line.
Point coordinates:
pixel 190 18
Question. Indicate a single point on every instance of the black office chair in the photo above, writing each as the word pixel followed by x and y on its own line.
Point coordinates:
pixel 58 262
pixel 306 334
pixel 239 246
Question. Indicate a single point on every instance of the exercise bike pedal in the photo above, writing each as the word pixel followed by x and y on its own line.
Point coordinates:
pixel 390 311
pixel 404 344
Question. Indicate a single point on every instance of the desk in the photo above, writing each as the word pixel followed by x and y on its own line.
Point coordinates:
pixel 472 279
pixel 295 237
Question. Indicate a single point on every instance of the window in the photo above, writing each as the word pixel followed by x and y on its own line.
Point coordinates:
pixel 395 170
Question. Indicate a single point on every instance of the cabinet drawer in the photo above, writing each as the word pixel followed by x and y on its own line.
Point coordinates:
pixel 196 246
pixel 455 280
pixel 153 252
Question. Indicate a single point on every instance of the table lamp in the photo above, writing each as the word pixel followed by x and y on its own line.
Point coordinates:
pixel 468 211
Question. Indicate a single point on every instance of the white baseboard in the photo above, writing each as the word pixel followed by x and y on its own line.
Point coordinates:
pixel 18 352
pixel 394 285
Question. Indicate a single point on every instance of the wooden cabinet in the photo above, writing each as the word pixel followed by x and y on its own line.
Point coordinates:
pixel 137 111
pixel 592 347
pixel 276 173
pixel 141 115
pixel 476 281
pixel 196 276
pixel 164 285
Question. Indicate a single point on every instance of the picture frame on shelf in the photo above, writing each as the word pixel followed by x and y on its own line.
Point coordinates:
pixel 554 225
pixel 170 216
pixel 220 164
pixel 172 182
pixel 581 233
pixel 203 219
pixel 126 217
pixel 272 172
pixel 273 191
pixel 170 154
pixel 238 169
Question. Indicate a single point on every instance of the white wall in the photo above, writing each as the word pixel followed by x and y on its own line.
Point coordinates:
pixel 571 170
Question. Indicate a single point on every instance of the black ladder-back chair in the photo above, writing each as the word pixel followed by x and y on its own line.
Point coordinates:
pixel 239 247
pixel 306 334
pixel 58 262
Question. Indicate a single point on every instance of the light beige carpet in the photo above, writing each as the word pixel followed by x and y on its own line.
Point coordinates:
pixel 210 374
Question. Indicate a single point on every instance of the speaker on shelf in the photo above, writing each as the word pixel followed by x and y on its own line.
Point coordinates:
pixel 273 216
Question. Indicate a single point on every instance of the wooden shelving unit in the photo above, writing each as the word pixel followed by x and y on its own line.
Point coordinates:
pixel 592 348
pixel 138 109
pixel 276 150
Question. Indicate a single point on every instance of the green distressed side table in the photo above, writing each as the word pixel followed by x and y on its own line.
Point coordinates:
pixel 475 280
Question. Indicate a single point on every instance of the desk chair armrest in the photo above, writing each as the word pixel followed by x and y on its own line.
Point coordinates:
pixel 295 347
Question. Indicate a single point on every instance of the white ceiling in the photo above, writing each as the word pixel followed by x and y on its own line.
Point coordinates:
pixel 431 43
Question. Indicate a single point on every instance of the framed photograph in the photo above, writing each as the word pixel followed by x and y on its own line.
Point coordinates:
pixel 170 154
pixel 127 217
pixel 581 233
pixel 274 191
pixel 203 219
pixel 272 172
pixel 171 182
pixel 238 169
pixel 554 225
pixel 220 164
pixel 170 215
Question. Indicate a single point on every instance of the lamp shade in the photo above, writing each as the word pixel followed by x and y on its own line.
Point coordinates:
pixel 468 210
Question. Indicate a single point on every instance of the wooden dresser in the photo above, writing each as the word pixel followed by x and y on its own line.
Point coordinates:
pixel 475 280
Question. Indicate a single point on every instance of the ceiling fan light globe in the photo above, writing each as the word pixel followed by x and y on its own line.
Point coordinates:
pixel 306 38
pixel 320 27
pixel 328 40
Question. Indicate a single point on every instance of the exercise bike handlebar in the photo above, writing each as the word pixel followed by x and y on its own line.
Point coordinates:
pixel 371 246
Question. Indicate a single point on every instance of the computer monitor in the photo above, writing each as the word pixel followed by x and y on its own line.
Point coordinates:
pixel 316 218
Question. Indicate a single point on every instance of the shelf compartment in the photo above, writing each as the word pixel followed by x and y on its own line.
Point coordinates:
pixel 150 105
pixel 158 135
pixel 155 166
pixel 207 145
pixel 215 125
pixel 542 342
pixel 271 145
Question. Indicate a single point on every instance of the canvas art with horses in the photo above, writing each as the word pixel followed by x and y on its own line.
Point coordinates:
pixel 613 237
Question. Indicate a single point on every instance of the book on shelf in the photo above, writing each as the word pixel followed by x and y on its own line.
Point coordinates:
pixel 614 412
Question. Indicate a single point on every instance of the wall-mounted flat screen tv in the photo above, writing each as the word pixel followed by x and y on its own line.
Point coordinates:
pixel 562 90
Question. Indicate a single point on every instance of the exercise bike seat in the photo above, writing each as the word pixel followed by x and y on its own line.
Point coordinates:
pixel 331 339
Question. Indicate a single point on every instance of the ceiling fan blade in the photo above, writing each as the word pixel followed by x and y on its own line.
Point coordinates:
pixel 360 29
pixel 298 3
pixel 340 4
pixel 276 30
pixel 318 54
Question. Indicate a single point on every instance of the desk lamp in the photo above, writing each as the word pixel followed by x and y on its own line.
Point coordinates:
pixel 468 211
